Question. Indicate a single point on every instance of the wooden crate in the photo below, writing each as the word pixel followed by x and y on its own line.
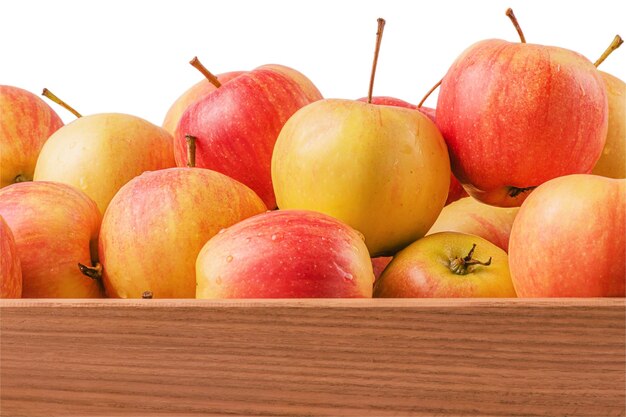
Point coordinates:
pixel 401 357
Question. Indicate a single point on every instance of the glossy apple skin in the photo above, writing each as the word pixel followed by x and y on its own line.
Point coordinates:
pixel 26 122
pixel 156 225
pixel 379 264
pixel 100 153
pixel 612 162
pixel 568 239
pixel 285 254
pixel 189 97
pixel 518 115
pixel 55 227
pixel 10 267
pixel 456 190
pixel 422 270
pixel 470 216
pixel 383 170
pixel 236 126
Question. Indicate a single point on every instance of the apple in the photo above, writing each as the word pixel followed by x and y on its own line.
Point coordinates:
pixel 515 115
pixel 236 125
pixel 383 170
pixel 157 223
pixel 193 94
pixel 100 153
pixel 10 267
pixel 470 216
pixel 379 264
pixel 568 239
pixel 612 162
pixel 26 122
pixel 456 190
pixel 447 265
pixel 285 254
pixel 55 227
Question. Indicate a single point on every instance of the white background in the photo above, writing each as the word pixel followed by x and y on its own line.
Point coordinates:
pixel 132 56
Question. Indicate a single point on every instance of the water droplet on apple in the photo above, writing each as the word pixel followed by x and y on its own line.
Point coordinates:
pixel 259 234
pixel 229 258
pixel 348 277
pixel 273 237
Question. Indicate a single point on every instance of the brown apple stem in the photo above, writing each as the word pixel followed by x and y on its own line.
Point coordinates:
pixel 461 266
pixel 191 150
pixel 147 295
pixel 515 191
pixel 379 38
pixel 433 88
pixel 617 41
pixel 195 62
pixel 511 15
pixel 48 94
pixel 93 272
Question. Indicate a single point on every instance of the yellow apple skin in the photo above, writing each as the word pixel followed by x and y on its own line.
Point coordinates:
pixel 100 153
pixel 10 266
pixel 156 225
pixel 423 270
pixel 612 162
pixel 383 170
pixel 470 216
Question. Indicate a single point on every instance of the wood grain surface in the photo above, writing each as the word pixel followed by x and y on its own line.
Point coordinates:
pixel 560 357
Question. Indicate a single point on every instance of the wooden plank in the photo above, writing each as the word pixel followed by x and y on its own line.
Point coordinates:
pixel 313 357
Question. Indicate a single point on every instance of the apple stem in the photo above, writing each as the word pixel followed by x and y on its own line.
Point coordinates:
pixel 617 41
pixel 461 266
pixel 433 88
pixel 147 295
pixel 511 15
pixel 195 62
pixel 48 94
pixel 379 38
pixel 515 191
pixel 191 150
pixel 93 272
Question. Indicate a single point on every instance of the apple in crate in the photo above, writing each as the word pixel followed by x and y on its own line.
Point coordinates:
pixel 447 265
pixel 157 223
pixel 26 122
pixel 568 239
pixel 470 216
pixel 55 227
pixel 237 124
pixel 515 115
pixel 10 267
pixel 99 153
pixel 285 254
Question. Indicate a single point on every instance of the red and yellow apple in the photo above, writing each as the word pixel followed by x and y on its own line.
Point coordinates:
pixel 157 223
pixel 470 216
pixel 447 265
pixel 515 115
pixel 100 153
pixel 383 170
pixel 55 227
pixel 10 267
pixel 285 254
pixel 26 122
pixel 612 162
pixel 236 125
pixel 568 239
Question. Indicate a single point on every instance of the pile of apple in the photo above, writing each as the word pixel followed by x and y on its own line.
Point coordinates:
pixel 255 187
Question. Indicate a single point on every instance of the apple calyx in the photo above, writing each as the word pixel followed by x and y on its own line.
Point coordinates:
pixel 433 88
pixel 515 191
pixel 195 62
pixel 511 15
pixel 146 295
pixel 49 95
pixel 379 38
pixel 617 41
pixel 191 150
pixel 93 272
pixel 20 178
pixel 461 266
